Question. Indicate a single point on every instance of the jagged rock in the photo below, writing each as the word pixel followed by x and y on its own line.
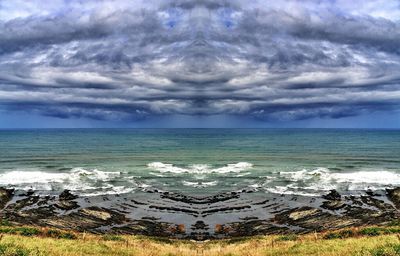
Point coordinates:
pixel 25 202
pixel 195 200
pixel 333 205
pixel 96 213
pixel 5 196
pixel 66 205
pixel 379 204
pixel 302 213
pixel 333 195
pixel 87 219
pixel 65 201
pixel 200 225
pixel 104 215
pixel 394 196
pixel 33 216
pixel 313 219
pixel 28 193
pixel 67 195
pixel 280 214
pixel 372 193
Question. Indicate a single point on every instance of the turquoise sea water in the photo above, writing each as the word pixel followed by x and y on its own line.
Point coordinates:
pixel 199 161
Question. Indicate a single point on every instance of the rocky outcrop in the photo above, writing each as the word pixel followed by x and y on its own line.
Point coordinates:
pixel 94 219
pixel 333 201
pixel 394 196
pixel 263 214
pixel 333 205
pixel 65 201
pixel 333 196
pixel 5 196
pixel 66 195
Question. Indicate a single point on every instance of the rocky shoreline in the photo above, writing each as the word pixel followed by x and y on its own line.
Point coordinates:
pixel 231 214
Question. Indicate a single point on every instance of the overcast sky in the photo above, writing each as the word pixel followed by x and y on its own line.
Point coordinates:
pixel 202 63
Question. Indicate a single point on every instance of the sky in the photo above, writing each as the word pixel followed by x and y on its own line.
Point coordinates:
pixel 201 63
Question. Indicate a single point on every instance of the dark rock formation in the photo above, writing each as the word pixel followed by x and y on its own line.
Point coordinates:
pixel 5 196
pixel 65 201
pixel 333 205
pixel 394 196
pixel 192 217
pixel 66 205
pixel 333 195
pixel 66 195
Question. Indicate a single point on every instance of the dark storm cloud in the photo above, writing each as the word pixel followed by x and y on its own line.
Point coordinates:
pixel 266 59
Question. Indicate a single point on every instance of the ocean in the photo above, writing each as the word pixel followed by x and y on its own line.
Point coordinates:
pixel 199 162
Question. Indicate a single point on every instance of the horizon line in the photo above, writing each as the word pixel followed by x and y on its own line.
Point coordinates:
pixel 199 128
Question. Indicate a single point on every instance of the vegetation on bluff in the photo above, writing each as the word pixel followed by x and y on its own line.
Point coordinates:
pixel 367 241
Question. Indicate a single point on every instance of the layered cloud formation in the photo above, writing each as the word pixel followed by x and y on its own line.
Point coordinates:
pixel 283 60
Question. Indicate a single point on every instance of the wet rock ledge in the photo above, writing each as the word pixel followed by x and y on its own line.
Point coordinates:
pixel 275 214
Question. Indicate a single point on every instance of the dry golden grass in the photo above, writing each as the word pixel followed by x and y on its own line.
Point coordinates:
pixel 87 244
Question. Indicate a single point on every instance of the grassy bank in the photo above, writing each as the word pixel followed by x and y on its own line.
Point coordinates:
pixel 374 241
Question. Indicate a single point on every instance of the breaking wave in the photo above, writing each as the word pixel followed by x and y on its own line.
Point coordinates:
pixel 77 179
pixel 200 184
pixel 310 182
pixel 200 168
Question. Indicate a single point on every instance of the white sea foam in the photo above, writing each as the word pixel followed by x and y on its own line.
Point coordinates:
pixel 77 174
pixel 199 184
pixel 26 177
pixel 200 168
pixel 161 167
pixel 324 175
pixel 306 174
pixel 370 177
pixel 322 179
pixel 238 167
pixel 284 190
pixel 78 179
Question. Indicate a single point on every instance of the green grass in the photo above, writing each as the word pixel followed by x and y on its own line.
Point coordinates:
pixel 367 231
pixel 113 238
pixel 5 222
pixel 394 223
pixel 371 231
pixel 53 233
pixel 346 233
pixel 28 231
pixel 31 231
pixel 235 240
pixel 387 250
pixel 367 241
pixel 67 236
pixel 291 237
pixel 13 250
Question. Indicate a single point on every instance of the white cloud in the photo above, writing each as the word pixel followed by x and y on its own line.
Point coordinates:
pixel 267 59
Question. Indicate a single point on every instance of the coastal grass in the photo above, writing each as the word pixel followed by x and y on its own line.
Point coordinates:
pixel 366 241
